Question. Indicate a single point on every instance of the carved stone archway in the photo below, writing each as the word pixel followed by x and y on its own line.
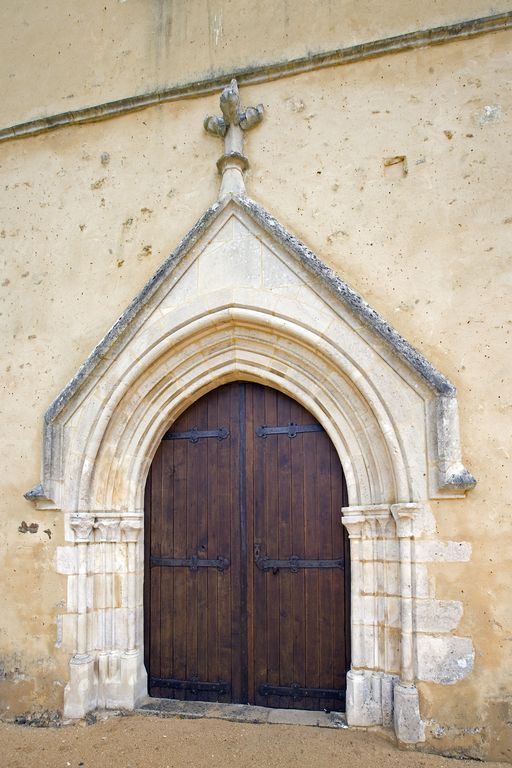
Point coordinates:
pixel 242 299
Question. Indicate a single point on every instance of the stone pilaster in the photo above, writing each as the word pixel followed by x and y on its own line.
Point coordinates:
pixel 80 693
pixel 409 727
pixel 132 684
pixel 107 536
pixel 370 681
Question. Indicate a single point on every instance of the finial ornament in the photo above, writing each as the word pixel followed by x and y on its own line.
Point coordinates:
pixel 230 127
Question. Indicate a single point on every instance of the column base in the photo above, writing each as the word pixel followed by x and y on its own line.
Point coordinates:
pixel 114 681
pixel 129 685
pixel 81 692
pixel 369 698
pixel 409 727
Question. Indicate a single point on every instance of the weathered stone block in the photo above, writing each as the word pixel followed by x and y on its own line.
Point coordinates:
pixel 409 727
pixel 66 560
pixel 436 615
pixel 444 659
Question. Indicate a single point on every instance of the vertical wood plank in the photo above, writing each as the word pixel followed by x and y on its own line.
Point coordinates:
pixel 199 478
pixel 271 543
pixel 283 445
pixel 156 576
pixel 214 548
pixel 325 611
pixel 298 459
pixel 311 577
pixel 260 598
pixel 250 458
pixel 180 609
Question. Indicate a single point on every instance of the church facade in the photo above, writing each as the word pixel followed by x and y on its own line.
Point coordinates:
pixel 255 365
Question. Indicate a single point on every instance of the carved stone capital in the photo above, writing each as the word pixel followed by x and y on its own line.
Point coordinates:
pixel 131 529
pixel 375 519
pixel 404 515
pixel 82 525
pixel 354 525
pixel 107 528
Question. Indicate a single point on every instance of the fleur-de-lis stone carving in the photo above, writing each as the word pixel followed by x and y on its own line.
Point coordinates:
pixel 231 127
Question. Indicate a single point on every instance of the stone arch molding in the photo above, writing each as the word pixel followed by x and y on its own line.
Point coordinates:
pixel 242 299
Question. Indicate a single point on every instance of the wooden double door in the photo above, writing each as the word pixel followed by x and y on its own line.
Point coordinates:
pixel 246 581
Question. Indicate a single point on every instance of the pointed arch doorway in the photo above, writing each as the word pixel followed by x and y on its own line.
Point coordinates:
pixel 247 564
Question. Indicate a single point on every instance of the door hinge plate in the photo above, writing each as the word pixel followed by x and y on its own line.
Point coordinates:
pixel 220 563
pixel 295 564
pixel 195 434
pixel 290 429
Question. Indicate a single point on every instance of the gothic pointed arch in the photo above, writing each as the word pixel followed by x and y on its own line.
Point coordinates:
pixel 241 298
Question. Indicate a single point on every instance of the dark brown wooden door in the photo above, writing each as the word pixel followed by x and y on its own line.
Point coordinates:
pixel 246 581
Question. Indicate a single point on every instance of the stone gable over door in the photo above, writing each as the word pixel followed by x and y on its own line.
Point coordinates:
pixel 240 298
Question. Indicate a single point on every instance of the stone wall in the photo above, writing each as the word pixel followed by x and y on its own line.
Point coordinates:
pixel 89 214
pixel 117 49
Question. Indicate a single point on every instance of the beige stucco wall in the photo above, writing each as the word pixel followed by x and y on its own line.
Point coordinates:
pixel 90 212
pixel 66 55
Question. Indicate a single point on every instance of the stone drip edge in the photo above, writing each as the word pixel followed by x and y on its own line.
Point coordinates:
pixel 266 73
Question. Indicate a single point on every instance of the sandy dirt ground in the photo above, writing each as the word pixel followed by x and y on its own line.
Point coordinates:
pixel 140 741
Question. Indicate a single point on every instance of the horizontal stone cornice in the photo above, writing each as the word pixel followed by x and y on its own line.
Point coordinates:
pixel 264 73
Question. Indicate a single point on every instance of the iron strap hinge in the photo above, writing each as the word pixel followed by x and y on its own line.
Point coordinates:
pixel 291 429
pixel 194 685
pixel 295 691
pixel 195 434
pixel 221 563
pixel 294 564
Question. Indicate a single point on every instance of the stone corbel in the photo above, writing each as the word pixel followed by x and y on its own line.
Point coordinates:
pixel 38 496
pixel 452 474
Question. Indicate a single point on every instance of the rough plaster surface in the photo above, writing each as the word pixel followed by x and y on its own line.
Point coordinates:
pixel 110 50
pixel 234 294
pixel 429 250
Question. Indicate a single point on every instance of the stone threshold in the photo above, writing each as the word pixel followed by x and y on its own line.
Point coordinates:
pixel 239 713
